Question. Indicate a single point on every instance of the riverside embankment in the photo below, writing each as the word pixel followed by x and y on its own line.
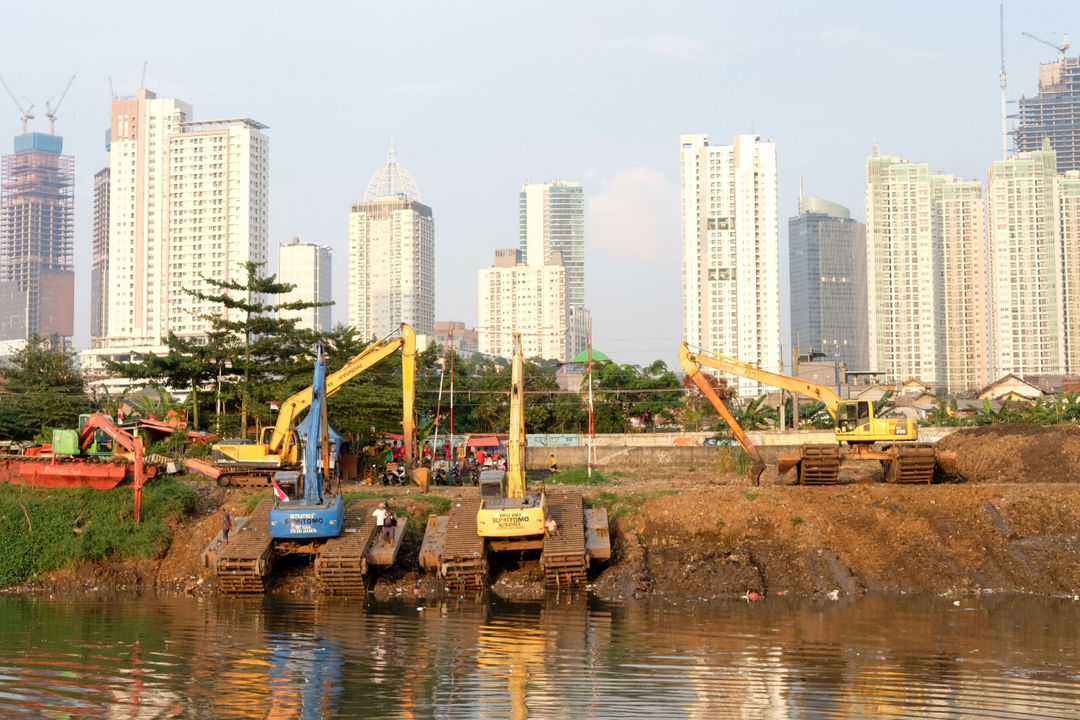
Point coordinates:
pixel 688 533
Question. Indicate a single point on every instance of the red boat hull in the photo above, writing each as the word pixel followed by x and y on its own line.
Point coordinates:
pixel 74 472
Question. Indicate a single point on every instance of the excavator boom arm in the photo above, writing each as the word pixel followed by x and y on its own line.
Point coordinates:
pixel 371 355
pixel 694 372
pixel 515 447
pixel 98 421
pixel 750 372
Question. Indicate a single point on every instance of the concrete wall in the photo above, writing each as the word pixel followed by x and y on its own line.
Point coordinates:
pixel 636 450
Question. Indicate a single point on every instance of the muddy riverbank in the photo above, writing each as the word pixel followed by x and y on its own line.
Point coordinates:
pixel 1013 525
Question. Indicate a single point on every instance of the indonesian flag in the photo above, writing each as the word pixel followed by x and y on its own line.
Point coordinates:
pixel 120 413
pixel 279 493
pixel 273 406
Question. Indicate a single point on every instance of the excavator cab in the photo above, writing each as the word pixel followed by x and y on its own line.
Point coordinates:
pixel 853 416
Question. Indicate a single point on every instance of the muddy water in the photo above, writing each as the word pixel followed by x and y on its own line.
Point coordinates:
pixel 916 657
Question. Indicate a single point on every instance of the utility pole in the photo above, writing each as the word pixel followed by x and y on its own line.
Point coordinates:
pixel 795 374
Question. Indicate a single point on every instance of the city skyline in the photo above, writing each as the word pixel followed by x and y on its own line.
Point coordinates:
pixel 634 88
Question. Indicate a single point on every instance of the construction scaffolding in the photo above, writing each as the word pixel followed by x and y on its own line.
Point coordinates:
pixel 37 232
pixel 1054 114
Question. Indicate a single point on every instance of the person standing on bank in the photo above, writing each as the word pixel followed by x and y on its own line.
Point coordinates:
pixel 226 525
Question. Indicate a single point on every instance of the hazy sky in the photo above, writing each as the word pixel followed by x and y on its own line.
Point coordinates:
pixel 479 97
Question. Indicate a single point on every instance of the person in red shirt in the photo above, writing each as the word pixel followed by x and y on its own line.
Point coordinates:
pixel 481 456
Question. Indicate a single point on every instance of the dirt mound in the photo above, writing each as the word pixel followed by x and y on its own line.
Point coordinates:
pixel 1016 453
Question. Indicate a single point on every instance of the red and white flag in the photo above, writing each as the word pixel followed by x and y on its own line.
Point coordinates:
pixel 273 406
pixel 279 493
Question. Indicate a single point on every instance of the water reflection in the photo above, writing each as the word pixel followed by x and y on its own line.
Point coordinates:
pixel 1001 657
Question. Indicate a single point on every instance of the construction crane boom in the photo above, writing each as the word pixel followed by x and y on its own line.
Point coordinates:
pixel 50 111
pixel 1060 48
pixel 27 112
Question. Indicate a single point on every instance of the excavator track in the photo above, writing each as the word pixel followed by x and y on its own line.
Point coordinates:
pixel 341 565
pixel 564 560
pixel 911 463
pixel 820 465
pixel 243 565
pixel 463 564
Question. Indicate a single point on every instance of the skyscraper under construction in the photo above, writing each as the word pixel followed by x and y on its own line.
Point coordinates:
pixel 1054 113
pixel 37 209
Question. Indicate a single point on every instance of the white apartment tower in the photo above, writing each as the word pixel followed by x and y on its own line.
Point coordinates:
pixel 187 201
pixel 307 266
pixel 730 250
pixel 900 269
pixel 1033 264
pixel 391 256
pixel 926 275
pixel 963 318
pixel 527 299
pixel 1069 222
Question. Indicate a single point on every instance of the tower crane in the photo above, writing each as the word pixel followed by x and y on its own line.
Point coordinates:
pixel 50 111
pixel 1060 48
pixel 27 112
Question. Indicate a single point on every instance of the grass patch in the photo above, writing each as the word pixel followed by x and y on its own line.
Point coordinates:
pixel 578 476
pixel 251 501
pixel 796 521
pixel 619 506
pixel 81 524
pixel 750 495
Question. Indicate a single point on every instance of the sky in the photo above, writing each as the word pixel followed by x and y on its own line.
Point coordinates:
pixel 480 97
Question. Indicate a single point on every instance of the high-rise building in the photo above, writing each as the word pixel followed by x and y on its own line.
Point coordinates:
pixel 529 299
pixel 1069 224
pixel 391 256
pixel 99 260
pixel 926 287
pixel 307 266
pixel 553 221
pixel 900 269
pixel 188 202
pixel 1053 114
pixel 827 268
pixel 961 283
pixel 1027 263
pixel 37 228
pixel 730 251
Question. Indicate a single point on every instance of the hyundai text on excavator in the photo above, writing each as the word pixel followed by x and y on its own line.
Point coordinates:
pixel 245 462
pixel 305 518
pixel 510 516
pixel 858 430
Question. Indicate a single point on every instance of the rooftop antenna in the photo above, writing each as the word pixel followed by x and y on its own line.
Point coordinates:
pixel 1060 48
pixel 112 89
pixel 50 111
pixel 142 81
pixel 1001 77
pixel 27 112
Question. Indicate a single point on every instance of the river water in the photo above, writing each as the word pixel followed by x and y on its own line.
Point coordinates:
pixel 566 657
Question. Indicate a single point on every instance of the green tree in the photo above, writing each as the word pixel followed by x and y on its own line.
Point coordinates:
pixel 272 346
pixel 45 389
pixel 649 395
pixel 189 364
pixel 753 415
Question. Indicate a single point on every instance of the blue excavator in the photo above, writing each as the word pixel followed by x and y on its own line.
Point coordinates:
pixel 302 510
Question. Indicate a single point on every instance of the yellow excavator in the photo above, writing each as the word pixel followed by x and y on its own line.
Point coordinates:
pixel 279 445
pixel 508 511
pixel 858 430
pixel 510 516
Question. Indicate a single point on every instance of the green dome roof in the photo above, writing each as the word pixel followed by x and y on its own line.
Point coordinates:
pixel 597 356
